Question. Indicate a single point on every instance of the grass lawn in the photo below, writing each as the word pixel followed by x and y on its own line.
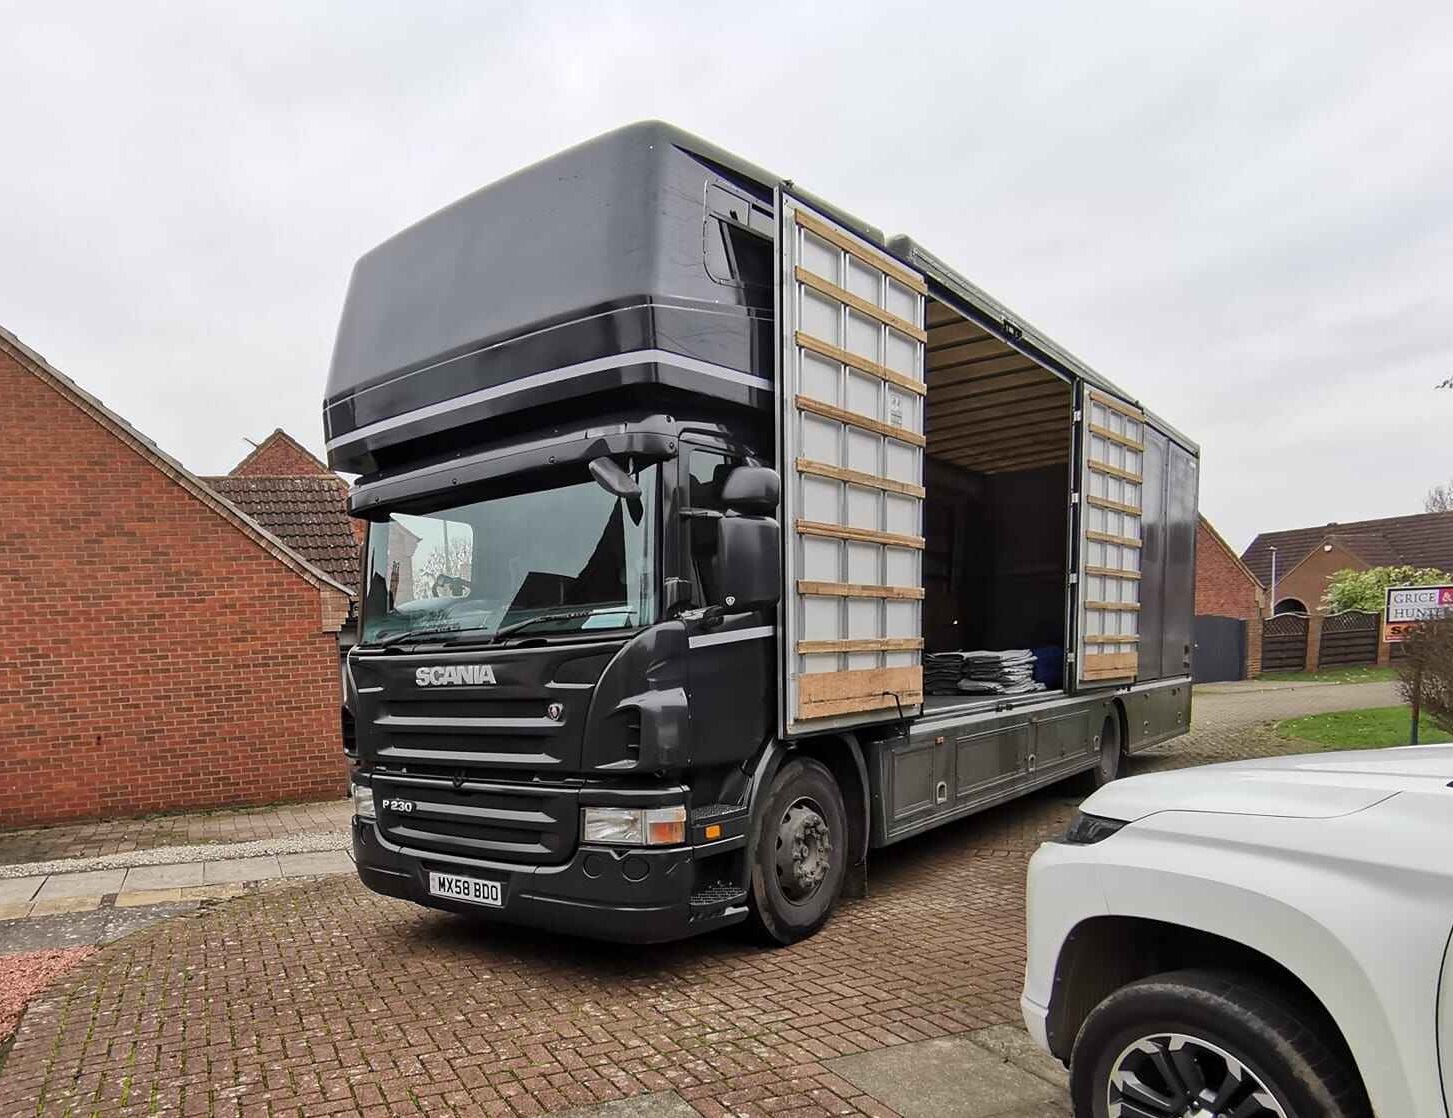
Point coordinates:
pixel 1357 729
pixel 1366 673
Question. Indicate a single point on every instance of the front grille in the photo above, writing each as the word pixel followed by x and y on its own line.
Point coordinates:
pixel 513 733
pixel 489 821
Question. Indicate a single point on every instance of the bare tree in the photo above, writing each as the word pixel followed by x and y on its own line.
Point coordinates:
pixel 1439 499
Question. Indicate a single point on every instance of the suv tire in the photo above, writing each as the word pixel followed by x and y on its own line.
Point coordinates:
pixel 1204 1022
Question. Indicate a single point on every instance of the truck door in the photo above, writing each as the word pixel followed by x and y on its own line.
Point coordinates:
pixel 1109 481
pixel 850 444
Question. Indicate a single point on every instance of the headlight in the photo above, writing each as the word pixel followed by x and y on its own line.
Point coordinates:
pixel 1086 829
pixel 363 801
pixel 634 826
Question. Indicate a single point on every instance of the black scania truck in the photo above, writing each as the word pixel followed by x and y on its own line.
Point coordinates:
pixel 716 538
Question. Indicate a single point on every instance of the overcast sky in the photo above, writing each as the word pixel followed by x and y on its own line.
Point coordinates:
pixel 1241 213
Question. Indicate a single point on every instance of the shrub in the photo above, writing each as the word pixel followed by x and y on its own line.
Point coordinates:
pixel 1367 590
pixel 1430 647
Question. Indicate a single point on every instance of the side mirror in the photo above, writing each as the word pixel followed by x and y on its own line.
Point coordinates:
pixel 748 562
pixel 614 480
pixel 752 489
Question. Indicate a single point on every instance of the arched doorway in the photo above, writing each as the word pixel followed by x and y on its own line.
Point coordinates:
pixel 1290 605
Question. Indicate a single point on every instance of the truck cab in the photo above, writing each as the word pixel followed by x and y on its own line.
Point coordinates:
pixel 664 507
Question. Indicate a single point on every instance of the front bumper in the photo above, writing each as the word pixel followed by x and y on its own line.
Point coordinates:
pixel 630 895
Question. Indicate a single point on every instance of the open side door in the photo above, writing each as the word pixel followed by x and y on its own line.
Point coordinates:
pixel 850 440
pixel 1111 440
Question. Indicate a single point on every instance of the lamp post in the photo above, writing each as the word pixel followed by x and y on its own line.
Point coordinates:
pixel 1273 581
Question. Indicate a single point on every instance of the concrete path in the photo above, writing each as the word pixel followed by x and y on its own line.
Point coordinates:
pixel 52 894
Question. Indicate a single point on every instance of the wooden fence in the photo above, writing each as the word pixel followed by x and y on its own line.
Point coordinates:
pixel 1284 642
pixel 1349 638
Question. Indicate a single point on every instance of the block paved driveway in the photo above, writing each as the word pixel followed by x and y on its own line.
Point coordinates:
pixel 326 999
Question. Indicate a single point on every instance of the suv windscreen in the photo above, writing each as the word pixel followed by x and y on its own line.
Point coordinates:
pixel 568 548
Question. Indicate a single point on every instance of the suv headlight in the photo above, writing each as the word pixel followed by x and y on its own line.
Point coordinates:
pixel 1087 829
pixel 634 826
pixel 363 801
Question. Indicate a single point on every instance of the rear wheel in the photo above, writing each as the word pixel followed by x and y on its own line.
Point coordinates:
pixel 1111 759
pixel 801 852
pixel 1196 1044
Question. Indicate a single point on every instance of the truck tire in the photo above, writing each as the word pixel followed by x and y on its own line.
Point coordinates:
pixel 1110 762
pixel 801 853
pixel 1203 1042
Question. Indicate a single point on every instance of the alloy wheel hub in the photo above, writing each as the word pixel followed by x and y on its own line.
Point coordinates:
pixel 1174 1075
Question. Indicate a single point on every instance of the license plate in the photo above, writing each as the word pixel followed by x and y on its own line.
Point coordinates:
pixel 475 890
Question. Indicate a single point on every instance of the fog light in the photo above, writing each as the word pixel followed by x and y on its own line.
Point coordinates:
pixel 634 826
pixel 363 801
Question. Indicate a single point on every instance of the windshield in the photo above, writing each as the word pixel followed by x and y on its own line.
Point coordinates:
pixel 565 557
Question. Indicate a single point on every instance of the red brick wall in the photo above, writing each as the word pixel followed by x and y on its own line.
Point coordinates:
pixel 1223 588
pixel 153 657
pixel 278 456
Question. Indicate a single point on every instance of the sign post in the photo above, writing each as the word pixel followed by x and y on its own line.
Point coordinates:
pixel 1406 610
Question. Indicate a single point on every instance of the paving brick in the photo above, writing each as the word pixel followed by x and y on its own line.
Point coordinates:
pixel 278 999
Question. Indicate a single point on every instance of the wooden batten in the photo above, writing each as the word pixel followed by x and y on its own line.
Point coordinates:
pixel 862 644
pixel 1109 537
pixel 826 694
pixel 881 261
pixel 1025 425
pixel 862 364
pixel 957 332
pixel 1106 433
pixel 859 304
pixel 858 477
pixel 861 535
pixel 1113 572
pixel 1009 405
pixel 1113 506
pixel 1118 405
pixel 1110 665
pixel 1115 471
pixel 956 384
pixel 984 349
pixel 863 422
pixel 813 588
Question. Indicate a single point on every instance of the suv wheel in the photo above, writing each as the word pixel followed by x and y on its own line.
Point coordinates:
pixel 1197 1044
pixel 801 852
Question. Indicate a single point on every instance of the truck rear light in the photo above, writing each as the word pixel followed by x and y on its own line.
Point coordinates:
pixel 633 826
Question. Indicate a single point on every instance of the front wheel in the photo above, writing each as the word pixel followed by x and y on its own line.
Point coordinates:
pixel 1207 1045
pixel 801 852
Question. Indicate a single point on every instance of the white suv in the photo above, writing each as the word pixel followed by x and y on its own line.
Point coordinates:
pixel 1260 938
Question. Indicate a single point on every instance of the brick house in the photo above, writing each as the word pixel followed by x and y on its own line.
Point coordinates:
pixel 300 501
pixel 1306 558
pixel 163 651
pixel 1226 587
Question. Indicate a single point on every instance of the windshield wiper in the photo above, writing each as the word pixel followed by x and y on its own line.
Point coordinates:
pixel 571 615
pixel 415 634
